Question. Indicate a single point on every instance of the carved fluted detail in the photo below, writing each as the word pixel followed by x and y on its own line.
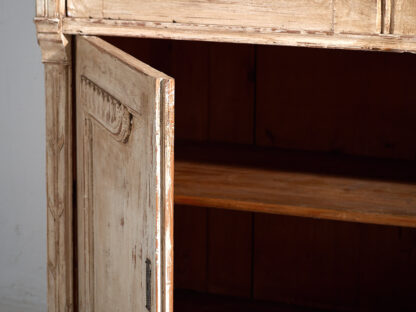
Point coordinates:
pixel 106 110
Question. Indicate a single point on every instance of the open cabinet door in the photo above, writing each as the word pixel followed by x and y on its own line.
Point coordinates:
pixel 125 181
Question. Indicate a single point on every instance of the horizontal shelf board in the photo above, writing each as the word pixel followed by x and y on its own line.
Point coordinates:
pixel 298 184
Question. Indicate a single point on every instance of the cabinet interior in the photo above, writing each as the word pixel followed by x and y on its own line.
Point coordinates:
pixel 268 137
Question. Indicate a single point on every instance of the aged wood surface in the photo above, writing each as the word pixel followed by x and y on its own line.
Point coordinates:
pixel 360 17
pixel 295 14
pixel 238 34
pixel 349 189
pixel 50 8
pixel 125 163
pixel 404 17
pixel 56 56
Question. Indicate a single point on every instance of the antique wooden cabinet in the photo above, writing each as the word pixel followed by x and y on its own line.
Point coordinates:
pixel 294 173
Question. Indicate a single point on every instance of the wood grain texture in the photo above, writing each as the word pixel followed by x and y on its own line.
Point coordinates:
pixel 56 56
pixel 357 16
pixel 299 184
pixel 50 8
pixel 55 46
pixel 238 34
pixel 403 17
pixel 281 14
pixel 125 157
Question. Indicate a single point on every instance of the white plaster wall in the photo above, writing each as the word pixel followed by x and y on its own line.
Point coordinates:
pixel 22 164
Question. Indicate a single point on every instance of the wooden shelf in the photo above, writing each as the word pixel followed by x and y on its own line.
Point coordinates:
pixel 302 184
pixel 189 301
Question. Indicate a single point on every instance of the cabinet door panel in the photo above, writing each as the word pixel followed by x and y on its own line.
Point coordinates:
pixel 124 172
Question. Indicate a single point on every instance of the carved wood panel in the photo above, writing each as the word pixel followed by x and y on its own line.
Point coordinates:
pixel 106 110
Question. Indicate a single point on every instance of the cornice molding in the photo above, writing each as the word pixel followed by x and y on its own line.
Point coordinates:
pixel 55 46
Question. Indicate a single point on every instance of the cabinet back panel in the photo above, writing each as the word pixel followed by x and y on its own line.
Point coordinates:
pixel 317 263
pixel 358 103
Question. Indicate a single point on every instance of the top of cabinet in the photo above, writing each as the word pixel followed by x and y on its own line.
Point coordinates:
pixel 388 25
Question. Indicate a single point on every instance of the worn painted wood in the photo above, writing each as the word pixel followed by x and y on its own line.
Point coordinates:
pixel 125 163
pixel 357 16
pixel 403 17
pixel 375 17
pixel 238 34
pixel 50 8
pixel 295 14
pixel 58 71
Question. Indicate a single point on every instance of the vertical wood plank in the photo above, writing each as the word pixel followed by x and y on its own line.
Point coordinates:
pixel 50 8
pixel 231 120
pixel 305 261
pixel 59 176
pixel 336 101
pixel 387 272
pixel 231 94
pixel 59 186
pixel 190 248
pixel 190 67
pixel 40 8
pixel 229 252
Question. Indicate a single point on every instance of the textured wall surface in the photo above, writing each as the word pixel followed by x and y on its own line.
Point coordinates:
pixel 22 162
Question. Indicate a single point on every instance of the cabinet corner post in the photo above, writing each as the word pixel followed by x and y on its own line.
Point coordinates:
pixel 56 56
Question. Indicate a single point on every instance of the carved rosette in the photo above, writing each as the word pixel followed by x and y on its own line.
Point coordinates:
pixel 106 110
